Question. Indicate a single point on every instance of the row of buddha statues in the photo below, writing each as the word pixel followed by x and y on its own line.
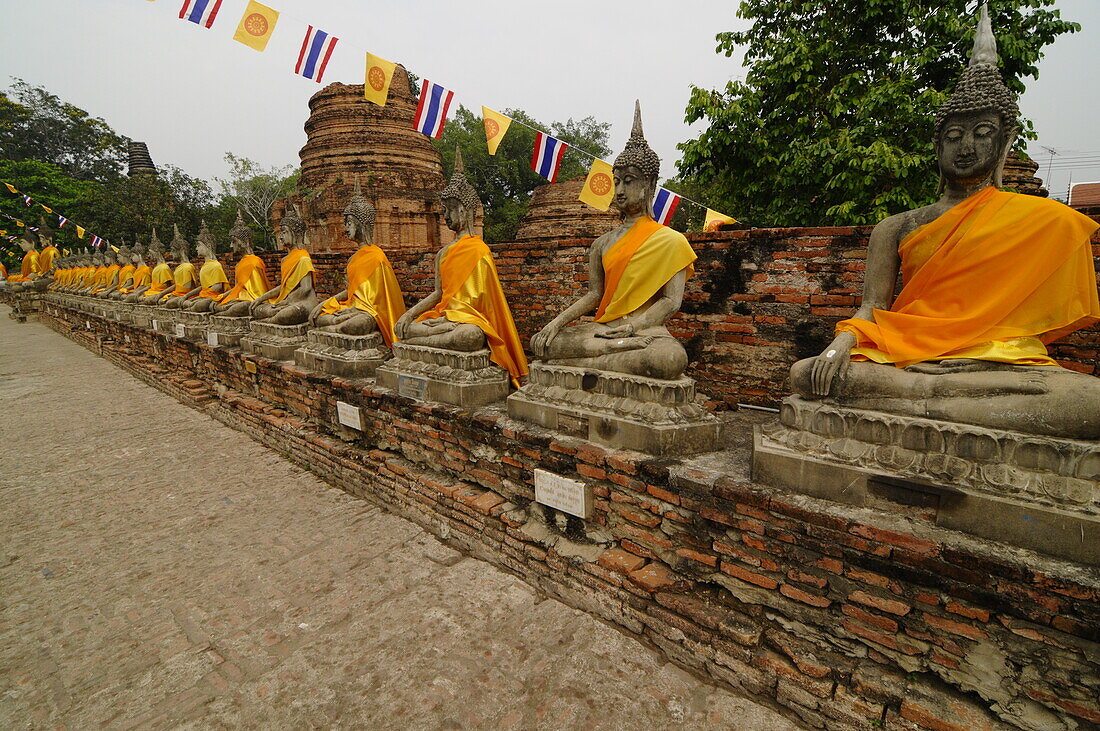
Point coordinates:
pixel 989 278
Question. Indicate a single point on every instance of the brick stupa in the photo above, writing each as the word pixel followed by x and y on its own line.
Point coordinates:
pixel 555 214
pixel 400 170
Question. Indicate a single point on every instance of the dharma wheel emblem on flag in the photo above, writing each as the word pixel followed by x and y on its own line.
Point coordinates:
pixel 600 184
pixel 256 24
pixel 492 129
pixel 376 77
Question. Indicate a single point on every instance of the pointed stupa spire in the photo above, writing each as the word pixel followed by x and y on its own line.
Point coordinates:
pixel 985 43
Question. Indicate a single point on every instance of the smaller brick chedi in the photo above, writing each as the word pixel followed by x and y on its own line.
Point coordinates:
pixel 349 136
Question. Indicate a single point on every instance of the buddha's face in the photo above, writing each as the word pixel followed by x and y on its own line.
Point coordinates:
pixel 971 145
pixel 454 213
pixel 633 190
pixel 206 250
pixel 351 228
pixel 285 238
pixel 26 245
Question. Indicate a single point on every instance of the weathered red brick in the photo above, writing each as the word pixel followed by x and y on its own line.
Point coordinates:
pixel 653 577
pixel 887 605
pixel 956 628
pixel 616 559
pixel 703 558
pixel 789 590
pixel 759 579
pixel 901 540
pixel 875 620
pixel 982 615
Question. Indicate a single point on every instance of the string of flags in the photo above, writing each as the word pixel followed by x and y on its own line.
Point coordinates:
pixel 259 21
pixel 62 221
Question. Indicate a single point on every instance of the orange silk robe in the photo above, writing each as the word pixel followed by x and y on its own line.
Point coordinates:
pixel 141 278
pixel 107 278
pixel 3 272
pixel 250 280
pixel 47 257
pixel 28 268
pixel 294 268
pixel 472 294
pixel 161 277
pixel 184 278
pixel 639 265
pixel 372 288
pixel 210 274
pixel 994 278
pixel 124 276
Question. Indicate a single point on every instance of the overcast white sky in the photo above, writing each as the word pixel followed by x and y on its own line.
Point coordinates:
pixel 194 94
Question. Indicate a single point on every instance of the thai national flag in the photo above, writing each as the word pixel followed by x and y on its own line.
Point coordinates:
pixel 96 241
pixel 665 204
pixel 316 50
pixel 546 159
pixel 61 221
pixel 27 200
pixel 200 12
pixel 431 112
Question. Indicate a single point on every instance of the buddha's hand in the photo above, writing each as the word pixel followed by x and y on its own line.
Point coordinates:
pixel 625 330
pixel 540 344
pixel 401 327
pixel 831 364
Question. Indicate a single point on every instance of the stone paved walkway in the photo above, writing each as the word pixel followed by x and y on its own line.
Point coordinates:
pixel 160 569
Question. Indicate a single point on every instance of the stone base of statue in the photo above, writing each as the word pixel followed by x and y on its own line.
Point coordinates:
pixel 348 356
pixel 164 320
pixel 1041 493
pixel 142 316
pixel 617 410
pixel 193 325
pixel 446 376
pixel 277 342
pixel 227 331
pixel 25 306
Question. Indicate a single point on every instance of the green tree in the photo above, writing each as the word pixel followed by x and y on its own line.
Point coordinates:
pixel 37 125
pixel 254 189
pixel 833 122
pixel 505 181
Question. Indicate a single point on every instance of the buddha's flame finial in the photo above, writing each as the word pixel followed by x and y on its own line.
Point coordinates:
pixel 985 43
pixel 460 169
pixel 636 130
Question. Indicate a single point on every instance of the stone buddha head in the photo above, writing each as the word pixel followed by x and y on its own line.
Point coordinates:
pixel 359 217
pixel 28 241
pixel 635 171
pixel 156 248
pixel 137 254
pixel 45 233
pixel 240 236
pixel 180 247
pixel 206 245
pixel 460 200
pixel 123 255
pixel 977 125
pixel 292 229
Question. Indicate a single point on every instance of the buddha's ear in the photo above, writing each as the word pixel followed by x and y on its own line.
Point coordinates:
pixel 999 171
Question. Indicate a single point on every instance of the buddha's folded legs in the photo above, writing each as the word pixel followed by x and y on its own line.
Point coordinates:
pixel 237 309
pixel 1043 400
pixel 449 336
pixel 653 353
pixel 289 314
pixel 202 304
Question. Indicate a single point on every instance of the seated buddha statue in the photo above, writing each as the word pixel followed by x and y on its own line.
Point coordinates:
pixel 78 267
pixel 122 276
pixel 160 278
pixel 47 257
pixel 291 302
pixel 109 277
pixel 30 268
pixel 989 279
pixel 636 279
pixel 139 276
pixel 212 277
pixel 372 299
pixel 184 276
pixel 249 277
pixel 467 310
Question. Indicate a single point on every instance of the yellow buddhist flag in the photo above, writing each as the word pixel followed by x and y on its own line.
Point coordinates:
pixel 716 219
pixel 256 25
pixel 496 126
pixel 11 187
pixel 46 208
pixel 599 186
pixel 376 82
pixel 79 232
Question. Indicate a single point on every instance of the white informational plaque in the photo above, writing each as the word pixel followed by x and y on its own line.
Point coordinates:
pixel 153 325
pixel 349 415
pixel 561 493
pixel 179 331
pixel 212 338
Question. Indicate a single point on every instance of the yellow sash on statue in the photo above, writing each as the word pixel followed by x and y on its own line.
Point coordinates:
pixel 994 278
pixel 125 275
pixel 372 288
pixel 250 277
pixel 108 277
pixel 161 277
pixel 295 267
pixel 210 274
pixel 28 267
pixel 47 257
pixel 139 280
pixel 639 265
pixel 184 278
pixel 472 294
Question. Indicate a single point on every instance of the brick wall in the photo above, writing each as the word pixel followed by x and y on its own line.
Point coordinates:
pixel 760 300
pixel 847 617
